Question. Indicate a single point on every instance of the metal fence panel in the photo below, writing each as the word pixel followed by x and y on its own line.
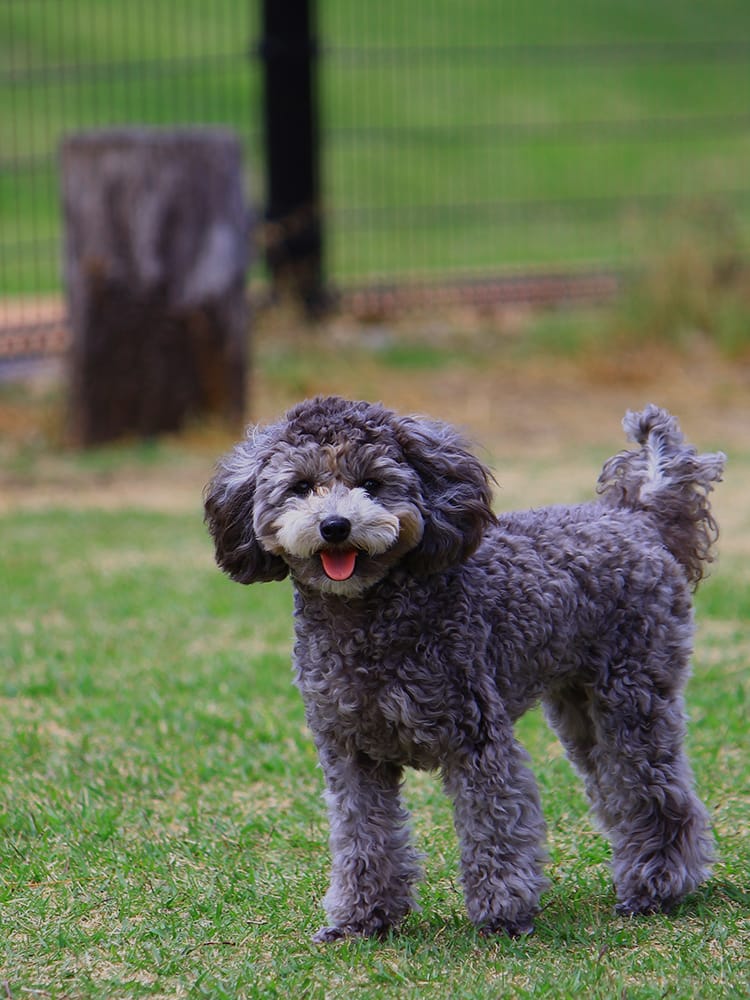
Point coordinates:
pixel 70 65
pixel 477 138
pixel 459 139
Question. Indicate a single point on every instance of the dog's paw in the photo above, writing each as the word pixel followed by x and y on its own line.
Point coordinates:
pixel 514 929
pixel 643 905
pixel 645 901
pixel 328 934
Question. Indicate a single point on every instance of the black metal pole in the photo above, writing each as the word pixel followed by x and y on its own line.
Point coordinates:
pixel 294 238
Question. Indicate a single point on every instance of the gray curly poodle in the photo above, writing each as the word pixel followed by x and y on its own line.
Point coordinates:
pixel 425 626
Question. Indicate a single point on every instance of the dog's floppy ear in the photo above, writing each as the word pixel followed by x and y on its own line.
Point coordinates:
pixel 457 496
pixel 229 502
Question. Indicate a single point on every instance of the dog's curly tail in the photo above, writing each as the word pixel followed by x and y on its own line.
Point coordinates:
pixel 669 480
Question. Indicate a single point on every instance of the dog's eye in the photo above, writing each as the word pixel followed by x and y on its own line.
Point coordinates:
pixel 301 488
pixel 371 486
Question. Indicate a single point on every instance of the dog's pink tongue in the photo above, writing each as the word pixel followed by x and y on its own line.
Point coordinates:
pixel 339 565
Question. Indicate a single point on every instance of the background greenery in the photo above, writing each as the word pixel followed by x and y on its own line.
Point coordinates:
pixel 457 138
pixel 161 826
pixel 162 831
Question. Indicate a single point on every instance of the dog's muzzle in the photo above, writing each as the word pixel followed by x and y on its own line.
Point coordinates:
pixel 338 564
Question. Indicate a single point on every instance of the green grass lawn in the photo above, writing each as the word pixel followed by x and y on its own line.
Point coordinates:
pixel 456 137
pixel 163 832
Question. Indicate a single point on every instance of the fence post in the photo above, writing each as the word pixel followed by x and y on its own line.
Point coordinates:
pixel 293 227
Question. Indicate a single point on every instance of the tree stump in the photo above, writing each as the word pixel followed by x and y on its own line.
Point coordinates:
pixel 156 253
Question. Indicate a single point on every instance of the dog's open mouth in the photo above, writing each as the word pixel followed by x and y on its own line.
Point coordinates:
pixel 338 564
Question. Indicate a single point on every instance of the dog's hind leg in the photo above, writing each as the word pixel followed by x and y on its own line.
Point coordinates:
pixel 642 787
pixel 374 867
pixel 568 713
pixel 501 834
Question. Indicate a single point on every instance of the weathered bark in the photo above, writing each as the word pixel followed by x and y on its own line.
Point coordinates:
pixel 156 253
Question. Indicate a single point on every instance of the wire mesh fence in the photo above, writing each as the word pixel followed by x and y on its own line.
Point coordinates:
pixel 73 65
pixel 459 141
pixel 476 138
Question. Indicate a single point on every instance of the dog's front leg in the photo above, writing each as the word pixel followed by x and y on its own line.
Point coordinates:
pixel 501 833
pixel 374 865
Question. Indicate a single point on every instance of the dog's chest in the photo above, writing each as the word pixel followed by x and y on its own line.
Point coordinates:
pixel 382 690
pixel 383 720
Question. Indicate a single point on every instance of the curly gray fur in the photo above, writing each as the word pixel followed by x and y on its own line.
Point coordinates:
pixel 672 481
pixel 425 626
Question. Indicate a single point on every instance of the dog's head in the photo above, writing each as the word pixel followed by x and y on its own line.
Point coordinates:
pixel 340 492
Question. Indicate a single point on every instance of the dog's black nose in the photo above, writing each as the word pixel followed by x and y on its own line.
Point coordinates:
pixel 335 529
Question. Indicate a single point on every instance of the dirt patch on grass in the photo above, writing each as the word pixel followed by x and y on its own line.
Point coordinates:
pixel 543 422
pixel 482 380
